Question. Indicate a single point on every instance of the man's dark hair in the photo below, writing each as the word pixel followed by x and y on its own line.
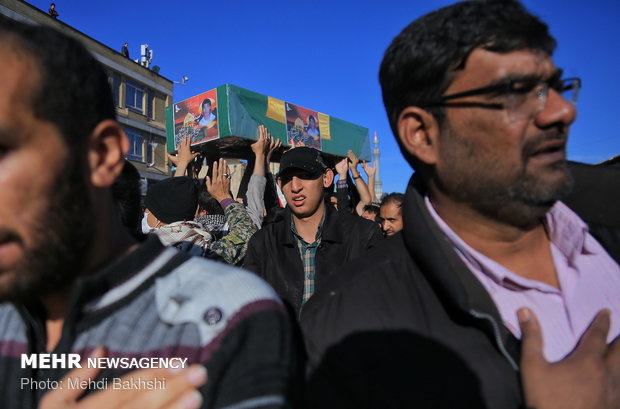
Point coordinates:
pixel 207 202
pixel 396 198
pixel 371 209
pixel 73 92
pixel 420 63
pixel 205 101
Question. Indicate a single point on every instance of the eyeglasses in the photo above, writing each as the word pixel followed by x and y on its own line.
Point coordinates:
pixel 520 98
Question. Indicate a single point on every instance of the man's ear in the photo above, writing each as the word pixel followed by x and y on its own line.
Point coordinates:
pixel 418 132
pixel 106 153
pixel 328 177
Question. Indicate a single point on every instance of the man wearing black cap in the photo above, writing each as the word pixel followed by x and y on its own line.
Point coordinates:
pixel 296 254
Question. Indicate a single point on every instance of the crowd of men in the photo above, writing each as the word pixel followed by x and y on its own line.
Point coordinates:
pixel 490 283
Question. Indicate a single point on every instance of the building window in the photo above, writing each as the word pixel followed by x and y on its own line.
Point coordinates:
pixel 149 147
pixel 116 85
pixel 150 100
pixel 134 95
pixel 136 141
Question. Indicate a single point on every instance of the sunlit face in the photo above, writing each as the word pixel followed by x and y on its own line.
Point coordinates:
pixel 304 191
pixel 44 207
pixel 390 218
pixel 511 170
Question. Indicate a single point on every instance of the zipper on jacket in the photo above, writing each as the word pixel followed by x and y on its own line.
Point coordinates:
pixel 496 333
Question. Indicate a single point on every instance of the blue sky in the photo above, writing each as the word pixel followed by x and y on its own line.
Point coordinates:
pixel 325 55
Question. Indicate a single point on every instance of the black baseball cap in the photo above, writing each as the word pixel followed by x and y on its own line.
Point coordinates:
pixel 308 159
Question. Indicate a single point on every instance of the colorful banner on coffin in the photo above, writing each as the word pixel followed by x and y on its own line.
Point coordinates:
pixel 238 112
pixel 196 117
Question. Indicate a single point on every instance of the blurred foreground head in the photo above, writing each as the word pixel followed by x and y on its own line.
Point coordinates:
pixel 60 151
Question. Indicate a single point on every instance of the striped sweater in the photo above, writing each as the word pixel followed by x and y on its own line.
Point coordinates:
pixel 158 302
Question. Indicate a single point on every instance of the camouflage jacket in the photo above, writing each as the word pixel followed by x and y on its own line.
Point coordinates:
pixel 241 228
pixel 189 236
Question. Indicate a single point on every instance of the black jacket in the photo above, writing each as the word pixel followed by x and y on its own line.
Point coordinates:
pixel 273 254
pixel 409 326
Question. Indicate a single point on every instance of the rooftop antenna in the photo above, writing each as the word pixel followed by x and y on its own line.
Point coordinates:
pixel 146 55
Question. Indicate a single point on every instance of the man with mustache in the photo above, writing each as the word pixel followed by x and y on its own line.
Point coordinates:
pixel 451 312
pixel 390 213
pixel 73 278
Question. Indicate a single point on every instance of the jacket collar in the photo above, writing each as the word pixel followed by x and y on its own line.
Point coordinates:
pixel 459 289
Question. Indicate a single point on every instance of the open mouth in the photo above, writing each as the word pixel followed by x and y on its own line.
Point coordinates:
pixel 299 200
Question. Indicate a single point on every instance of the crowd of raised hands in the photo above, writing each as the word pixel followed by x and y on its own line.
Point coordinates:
pixel 365 190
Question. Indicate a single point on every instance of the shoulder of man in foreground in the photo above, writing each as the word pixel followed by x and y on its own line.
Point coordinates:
pixel 364 335
pixel 385 252
pixel 222 317
pixel 378 334
pixel 596 199
pixel 374 232
pixel 352 227
pixel 240 316
pixel 323 319
pixel 596 193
